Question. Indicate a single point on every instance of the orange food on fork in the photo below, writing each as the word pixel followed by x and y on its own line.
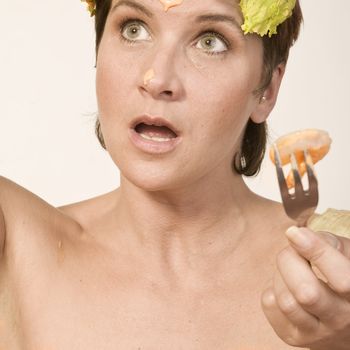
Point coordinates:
pixel 316 142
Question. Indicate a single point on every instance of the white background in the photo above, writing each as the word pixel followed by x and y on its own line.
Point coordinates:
pixel 47 96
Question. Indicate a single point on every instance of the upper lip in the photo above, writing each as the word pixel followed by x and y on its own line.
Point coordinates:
pixel 153 120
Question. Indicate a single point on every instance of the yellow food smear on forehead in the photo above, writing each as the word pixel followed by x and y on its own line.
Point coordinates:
pixel 149 75
pixel 170 3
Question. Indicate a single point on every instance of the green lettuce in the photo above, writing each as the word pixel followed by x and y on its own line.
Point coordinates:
pixel 263 16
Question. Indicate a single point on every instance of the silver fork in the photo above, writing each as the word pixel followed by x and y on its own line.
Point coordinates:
pixel 301 204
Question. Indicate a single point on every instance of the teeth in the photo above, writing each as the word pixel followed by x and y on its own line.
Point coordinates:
pixel 154 138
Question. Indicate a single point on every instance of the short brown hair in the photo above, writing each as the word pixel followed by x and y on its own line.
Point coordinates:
pixel 276 51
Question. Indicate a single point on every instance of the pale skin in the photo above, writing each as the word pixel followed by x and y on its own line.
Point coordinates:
pixel 182 255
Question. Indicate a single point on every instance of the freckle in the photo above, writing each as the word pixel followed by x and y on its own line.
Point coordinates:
pixel 170 3
pixel 149 75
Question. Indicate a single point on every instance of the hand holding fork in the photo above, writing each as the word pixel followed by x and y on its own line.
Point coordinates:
pixel 304 310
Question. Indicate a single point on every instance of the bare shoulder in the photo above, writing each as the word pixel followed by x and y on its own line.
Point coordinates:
pixel 93 212
pixel 271 215
pixel 269 223
pixel 29 254
pixel 28 217
pixel 2 223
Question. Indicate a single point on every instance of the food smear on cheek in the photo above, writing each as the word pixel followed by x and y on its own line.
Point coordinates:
pixel 149 75
pixel 170 3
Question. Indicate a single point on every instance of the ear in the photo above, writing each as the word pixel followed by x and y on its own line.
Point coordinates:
pixel 266 103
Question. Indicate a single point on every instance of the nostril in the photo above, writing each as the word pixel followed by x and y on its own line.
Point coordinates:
pixel 168 92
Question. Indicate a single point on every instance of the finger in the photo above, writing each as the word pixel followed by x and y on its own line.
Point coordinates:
pixel 277 319
pixel 312 294
pixel 283 327
pixel 291 308
pixel 332 263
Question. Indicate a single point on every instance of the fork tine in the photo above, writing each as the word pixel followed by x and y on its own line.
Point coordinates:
pixel 313 185
pixel 296 175
pixel 280 175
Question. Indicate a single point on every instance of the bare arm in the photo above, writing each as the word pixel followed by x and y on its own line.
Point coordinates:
pixel 2 223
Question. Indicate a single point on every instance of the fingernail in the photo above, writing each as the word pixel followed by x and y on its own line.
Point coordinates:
pixel 299 237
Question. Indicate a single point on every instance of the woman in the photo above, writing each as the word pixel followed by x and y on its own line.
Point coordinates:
pixel 180 255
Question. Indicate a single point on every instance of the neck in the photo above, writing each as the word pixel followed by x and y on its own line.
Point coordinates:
pixel 188 222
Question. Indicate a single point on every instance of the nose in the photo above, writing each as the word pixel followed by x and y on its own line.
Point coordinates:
pixel 165 82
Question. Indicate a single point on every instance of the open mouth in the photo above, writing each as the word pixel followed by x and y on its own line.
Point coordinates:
pixel 154 132
pixel 154 135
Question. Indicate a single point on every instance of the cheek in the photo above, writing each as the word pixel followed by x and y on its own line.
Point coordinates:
pixel 230 99
pixel 114 75
pixel 108 78
pixel 111 93
pixel 221 109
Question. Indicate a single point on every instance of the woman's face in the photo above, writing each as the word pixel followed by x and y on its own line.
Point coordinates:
pixel 190 65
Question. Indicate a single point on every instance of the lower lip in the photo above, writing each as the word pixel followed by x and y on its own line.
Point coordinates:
pixel 154 147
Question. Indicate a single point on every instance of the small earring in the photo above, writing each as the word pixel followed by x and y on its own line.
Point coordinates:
pixel 243 162
pixel 263 99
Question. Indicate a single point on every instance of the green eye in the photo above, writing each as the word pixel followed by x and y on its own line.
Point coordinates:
pixel 212 43
pixel 135 31
pixel 132 31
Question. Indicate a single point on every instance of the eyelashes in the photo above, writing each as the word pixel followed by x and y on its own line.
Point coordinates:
pixel 134 24
pixel 211 36
pixel 133 30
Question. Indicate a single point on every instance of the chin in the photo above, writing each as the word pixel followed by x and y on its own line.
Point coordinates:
pixel 152 178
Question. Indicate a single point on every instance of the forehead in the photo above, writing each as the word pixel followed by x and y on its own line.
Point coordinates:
pixel 187 8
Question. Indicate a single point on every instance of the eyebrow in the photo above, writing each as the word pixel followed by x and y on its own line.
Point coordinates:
pixel 219 18
pixel 200 19
pixel 133 4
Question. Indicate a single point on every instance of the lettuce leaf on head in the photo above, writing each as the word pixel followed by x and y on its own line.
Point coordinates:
pixel 263 16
